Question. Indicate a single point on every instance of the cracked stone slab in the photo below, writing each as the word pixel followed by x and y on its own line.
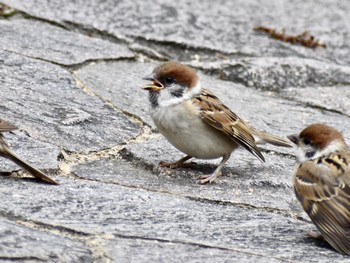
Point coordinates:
pixel 129 212
pixel 245 182
pixel 53 109
pixel 41 155
pixel 278 74
pixel 42 40
pixel 211 25
pixel 21 243
pixel 121 83
pixel 331 98
pixel 138 250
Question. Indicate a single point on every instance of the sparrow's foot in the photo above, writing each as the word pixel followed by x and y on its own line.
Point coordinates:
pixel 211 178
pixel 203 179
pixel 178 164
pixel 314 235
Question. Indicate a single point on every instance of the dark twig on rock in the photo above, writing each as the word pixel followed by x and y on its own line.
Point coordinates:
pixel 304 38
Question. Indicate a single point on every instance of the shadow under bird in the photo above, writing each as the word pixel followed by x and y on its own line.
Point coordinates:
pixel 322 182
pixel 7 153
pixel 196 122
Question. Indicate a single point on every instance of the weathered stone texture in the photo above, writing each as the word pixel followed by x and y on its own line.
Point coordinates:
pixel 70 79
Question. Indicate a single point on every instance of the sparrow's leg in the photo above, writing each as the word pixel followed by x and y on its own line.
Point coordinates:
pixel 203 179
pixel 178 164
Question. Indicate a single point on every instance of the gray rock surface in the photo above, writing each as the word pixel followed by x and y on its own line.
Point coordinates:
pixel 97 208
pixel 136 250
pixel 225 26
pixel 71 77
pixel 278 73
pixel 120 83
pixel 18 242
pixel 40 154
pixel 319 97
pixel 55 109
pixel 47 42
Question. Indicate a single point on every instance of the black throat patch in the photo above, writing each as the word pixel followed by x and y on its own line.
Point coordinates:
pixel 153 98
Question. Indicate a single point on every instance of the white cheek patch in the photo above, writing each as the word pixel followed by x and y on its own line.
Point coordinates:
pixel 301 152
pixel 334 146
pixel 166 101
pixel 194 91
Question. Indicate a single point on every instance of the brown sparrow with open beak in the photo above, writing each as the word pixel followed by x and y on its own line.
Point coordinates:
pixel 196 122
pixel 322 182
pixel 6 152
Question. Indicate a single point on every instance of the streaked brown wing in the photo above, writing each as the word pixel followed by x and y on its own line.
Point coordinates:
pixel 217 115
pixel 323 188
pixel 6 126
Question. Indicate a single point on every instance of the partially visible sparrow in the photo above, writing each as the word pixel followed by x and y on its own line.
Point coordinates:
pixel 196 122
pixel 322 182
pixel 6 152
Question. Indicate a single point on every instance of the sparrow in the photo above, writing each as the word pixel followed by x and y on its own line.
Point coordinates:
pixel 322 182
pixel 196 122
pixel 6 152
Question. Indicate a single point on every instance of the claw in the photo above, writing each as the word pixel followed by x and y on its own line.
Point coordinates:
pixel 211 178
pixel 178 164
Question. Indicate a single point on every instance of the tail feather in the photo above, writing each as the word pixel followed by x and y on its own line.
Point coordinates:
pixel 7 153
pixel 262 137
pixel 6 126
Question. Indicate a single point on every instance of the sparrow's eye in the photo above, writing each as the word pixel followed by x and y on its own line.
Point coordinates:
pixel 306 141
pixel 169 81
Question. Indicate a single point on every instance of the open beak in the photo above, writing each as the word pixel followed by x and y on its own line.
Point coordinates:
pixel 294 138
pixel 155 86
